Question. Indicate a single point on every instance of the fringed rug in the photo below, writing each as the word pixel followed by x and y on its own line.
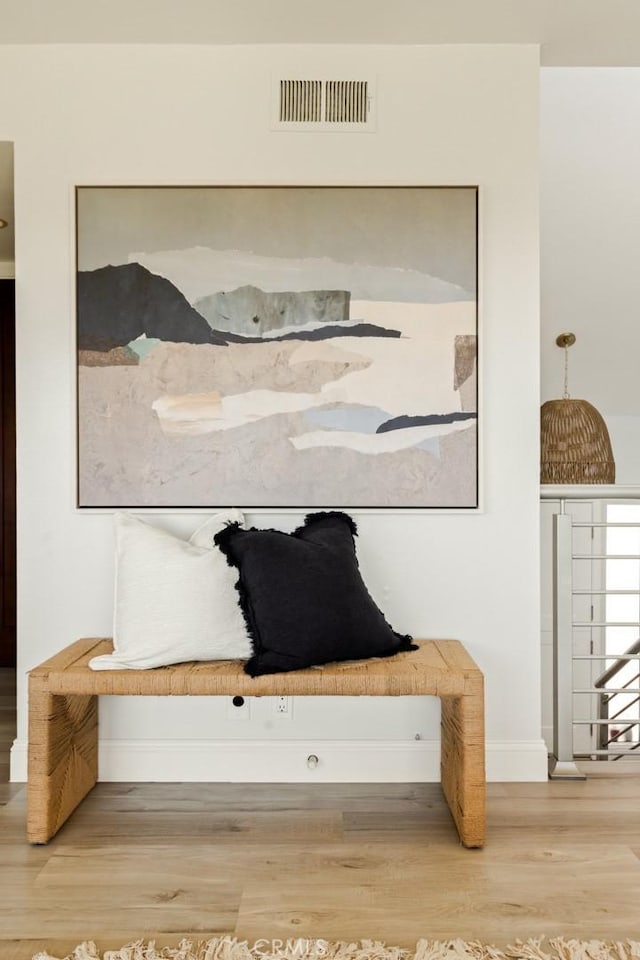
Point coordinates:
pixel 229 948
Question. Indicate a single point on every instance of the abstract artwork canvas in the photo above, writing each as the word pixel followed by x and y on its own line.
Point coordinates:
pixel 277 346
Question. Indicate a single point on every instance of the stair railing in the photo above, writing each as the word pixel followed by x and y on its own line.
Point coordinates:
pixel 607 735
pixel 606 740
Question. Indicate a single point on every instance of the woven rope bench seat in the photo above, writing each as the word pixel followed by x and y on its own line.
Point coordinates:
pixel 63 716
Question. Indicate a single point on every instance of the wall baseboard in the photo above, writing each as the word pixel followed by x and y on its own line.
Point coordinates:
pixel 285 761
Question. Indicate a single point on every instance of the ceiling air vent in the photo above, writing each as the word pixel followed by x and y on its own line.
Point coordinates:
pixel 346 101
pixel 300 101
pixel 323 105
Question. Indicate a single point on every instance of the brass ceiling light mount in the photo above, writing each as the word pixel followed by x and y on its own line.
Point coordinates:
pixel 575 444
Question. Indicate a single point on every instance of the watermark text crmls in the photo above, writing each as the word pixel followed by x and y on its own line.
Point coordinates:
pixel 298 948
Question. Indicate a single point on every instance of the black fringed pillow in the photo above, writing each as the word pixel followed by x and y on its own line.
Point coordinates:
pixel 303 597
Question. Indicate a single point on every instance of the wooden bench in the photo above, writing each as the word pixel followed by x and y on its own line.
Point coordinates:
pixel 63 717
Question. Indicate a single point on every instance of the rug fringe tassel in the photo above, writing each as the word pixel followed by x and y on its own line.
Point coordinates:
pixel 230 948
pixel 557 948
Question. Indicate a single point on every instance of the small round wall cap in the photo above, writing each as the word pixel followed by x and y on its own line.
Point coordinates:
pixel 566 339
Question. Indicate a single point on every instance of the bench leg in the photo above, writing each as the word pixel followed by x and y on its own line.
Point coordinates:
pixel 462 762
pixel 63 757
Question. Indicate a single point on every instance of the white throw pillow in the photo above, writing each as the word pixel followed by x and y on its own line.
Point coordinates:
pixel 203 536
pixel 174 600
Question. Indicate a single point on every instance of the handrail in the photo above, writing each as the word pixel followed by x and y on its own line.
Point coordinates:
pixel 589 491
pixel 616 667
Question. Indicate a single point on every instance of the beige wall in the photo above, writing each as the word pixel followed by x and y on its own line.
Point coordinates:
pixel 158 115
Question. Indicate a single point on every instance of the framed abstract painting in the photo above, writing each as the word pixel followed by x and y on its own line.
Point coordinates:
pixel 277 347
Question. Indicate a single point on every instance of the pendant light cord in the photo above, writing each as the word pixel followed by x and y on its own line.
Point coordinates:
pixel 566 340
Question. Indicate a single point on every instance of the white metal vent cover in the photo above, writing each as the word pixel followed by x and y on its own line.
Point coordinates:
pixel 319 104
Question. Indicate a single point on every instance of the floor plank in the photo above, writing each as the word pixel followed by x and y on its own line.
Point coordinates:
pixel 337 861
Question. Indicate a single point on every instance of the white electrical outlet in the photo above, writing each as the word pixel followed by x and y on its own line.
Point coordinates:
pixel 284 707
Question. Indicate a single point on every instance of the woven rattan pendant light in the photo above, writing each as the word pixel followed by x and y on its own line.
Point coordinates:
pixel 575 445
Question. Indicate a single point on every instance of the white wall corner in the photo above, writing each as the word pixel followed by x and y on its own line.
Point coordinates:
pixel 285 761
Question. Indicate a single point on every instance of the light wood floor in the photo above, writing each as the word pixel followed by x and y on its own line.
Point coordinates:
pixel 334 861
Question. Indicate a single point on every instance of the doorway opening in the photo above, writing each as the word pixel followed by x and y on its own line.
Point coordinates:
pixel 7 463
